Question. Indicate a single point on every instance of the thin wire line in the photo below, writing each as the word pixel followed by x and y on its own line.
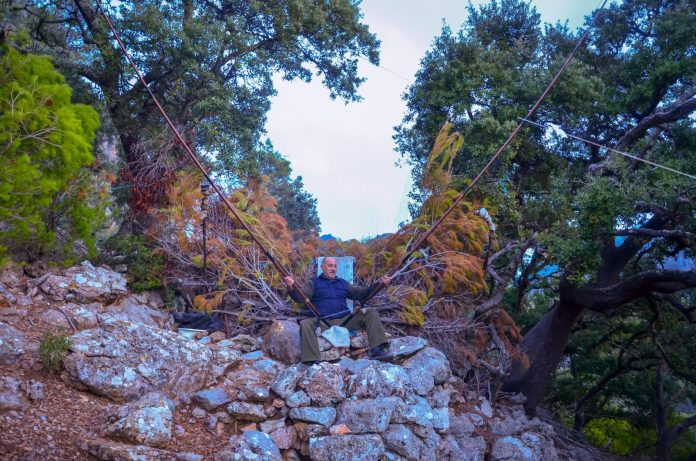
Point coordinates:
pixel 625 154
pixel 407 80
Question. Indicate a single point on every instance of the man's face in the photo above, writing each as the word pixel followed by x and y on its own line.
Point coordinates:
pixel 328 267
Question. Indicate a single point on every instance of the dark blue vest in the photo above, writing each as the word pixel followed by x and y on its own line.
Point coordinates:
pixel 330 296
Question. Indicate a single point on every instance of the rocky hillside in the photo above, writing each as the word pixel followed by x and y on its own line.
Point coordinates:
pixel 133 388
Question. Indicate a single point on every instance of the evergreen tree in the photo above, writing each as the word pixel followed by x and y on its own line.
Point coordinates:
pixel 45 149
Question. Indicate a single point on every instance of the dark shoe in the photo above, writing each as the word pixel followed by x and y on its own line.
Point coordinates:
pixel 310 363
pixel 380 352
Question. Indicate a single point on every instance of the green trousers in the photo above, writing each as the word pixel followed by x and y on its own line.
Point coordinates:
pixel 365 320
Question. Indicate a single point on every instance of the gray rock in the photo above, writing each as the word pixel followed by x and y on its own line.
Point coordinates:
pixel 406 346
pixel 324 416
pixel 199 413
pixel 324 384
pixel 224 360
pixel 505 426
pixel 324 345
pixel 251 445
pixel 486 409
pixel 356 366
pixel 379 380
pixel 12 344
pixel 285 438
pixel 369 415
pixel 246 411
pixel 251 381
pixel 402 441
pixel 439 397
pixel 85 283
pixel 82 316
pixel 134 309
pixel 282 342
pixel 211 399
pixel 123 361
pixel 367 447
pixel 148 421
pixel 6 294
pixel 253 355
pixel 431 442
pixel 243 343
pixel 284 384
pixel 116 451
pixel 414 410
pixel 298 399
pixel 461 425
pixel 272 425
pixel 526 447
pixel 34 390
pixel 462 449
pixel 11 396
pixel 359 341
pixel 426 369
pixel 332 354
pixel 441 421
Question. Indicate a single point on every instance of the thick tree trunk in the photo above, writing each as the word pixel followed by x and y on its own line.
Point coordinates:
pixel 544 345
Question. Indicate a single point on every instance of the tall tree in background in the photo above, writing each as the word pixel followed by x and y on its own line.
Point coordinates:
pixel 604 229
pixel 210 63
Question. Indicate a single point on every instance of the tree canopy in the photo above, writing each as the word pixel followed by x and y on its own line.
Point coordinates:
pixel 211 65
pixel 592 236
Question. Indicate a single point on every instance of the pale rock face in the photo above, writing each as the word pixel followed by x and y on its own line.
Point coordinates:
pixel 525 447
pixel 107 450
pixel 324 416
pixel 123 361
pixel 85 283
pixel 426 369
pixel 284 384
pixel 379 380
pixel 366 416
pixel 402 441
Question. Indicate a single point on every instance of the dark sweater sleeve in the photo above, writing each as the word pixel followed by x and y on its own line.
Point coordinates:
pixel 357 293
pixel 307 289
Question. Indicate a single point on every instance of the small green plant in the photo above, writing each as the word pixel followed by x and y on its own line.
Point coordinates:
pixel 145 263
pixel 53 349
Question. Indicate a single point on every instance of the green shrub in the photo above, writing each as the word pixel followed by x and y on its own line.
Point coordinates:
pixel 145 263
pixel 53 349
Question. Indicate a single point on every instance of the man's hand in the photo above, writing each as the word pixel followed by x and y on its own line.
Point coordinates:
pixel 289 281
pixel 385 280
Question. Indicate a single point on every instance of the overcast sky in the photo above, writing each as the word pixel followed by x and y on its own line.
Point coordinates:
pixel 345 153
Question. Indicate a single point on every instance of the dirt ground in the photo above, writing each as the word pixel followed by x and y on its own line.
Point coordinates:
pixel 50 429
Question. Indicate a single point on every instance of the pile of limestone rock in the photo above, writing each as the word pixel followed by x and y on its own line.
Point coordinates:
pixel 252 392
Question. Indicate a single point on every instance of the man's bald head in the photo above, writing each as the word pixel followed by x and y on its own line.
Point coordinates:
pixel 329 267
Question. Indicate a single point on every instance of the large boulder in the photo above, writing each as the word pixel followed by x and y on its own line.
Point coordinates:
pixel 324 416
pixel 282 342
pixel 148 421
pixel 123 361
pixel 324 384
pixel 250 445
pixel 12 344
pixel 85 283
pixel 366 447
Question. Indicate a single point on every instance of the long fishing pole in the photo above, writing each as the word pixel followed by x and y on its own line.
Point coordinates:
pixel 380 286
pixel 282 270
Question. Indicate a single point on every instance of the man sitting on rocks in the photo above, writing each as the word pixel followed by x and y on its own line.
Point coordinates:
pixel 328 293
